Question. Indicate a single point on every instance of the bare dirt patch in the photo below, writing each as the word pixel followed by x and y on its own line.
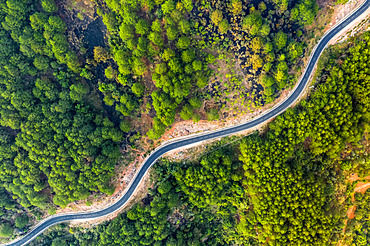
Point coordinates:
pixel 361 24
pixel 140 193
pixel 185 128
pixel 179 129
pixel 329 18
pixel 351 212
pixel 354 177
pixel 361 187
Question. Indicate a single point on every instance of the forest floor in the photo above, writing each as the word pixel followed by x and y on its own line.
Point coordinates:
pixel 185 128
pixel 361 187
pixel 363 183
pixel 361 24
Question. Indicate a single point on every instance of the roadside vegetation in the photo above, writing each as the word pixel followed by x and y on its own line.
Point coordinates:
pixel 285 186
pixel 70 109
pixel 166 52
pixel 56 145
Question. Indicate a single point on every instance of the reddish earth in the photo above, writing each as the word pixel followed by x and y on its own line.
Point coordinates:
pixel 351 212
pixel 355 27
pixel 361 187
pixel 184 128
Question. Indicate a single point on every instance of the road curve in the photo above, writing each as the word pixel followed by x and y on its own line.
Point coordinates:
pixel 278 109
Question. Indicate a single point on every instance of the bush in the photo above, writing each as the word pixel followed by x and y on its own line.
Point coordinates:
pixel 216 17
pixel 195 102
pixel 41 62
pixel 172 33
pixel 280 40
pixel 125 126
pixel 197 65
pixel 49 6
pixel 6 230
pixel 183 42
pixel 186 112
pixel 142 27
pixel 21 221
pixel 138 89
pixel 110 73
pixel 196 117
pixel 202 81
pixel 101 54
pixel 212 114
pixel 237 7
pixel 224 26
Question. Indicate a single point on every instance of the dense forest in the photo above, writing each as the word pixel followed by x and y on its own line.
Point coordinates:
pixel 163 51
pixel 358 161
pixel 55 142
pixel 62 124
pixel 280 187
pixel 59 141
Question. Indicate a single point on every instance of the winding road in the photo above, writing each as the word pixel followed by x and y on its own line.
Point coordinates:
pixel 270 114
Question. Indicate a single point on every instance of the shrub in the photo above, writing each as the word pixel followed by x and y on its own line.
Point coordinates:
pixel 49 6
pixel 212 114
pixel 110 73
pixel 216 17
pixel 6 230
pixel 21 221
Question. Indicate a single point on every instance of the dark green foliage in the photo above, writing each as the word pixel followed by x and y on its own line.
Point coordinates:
pixel 165 217
pixel 186 112
pixel 6 230
pixel 286 195
pixel 21 221
pixel 210 182
pixel 55 146
pixel 291 190
pixel 213 114
pixel 159 39
pixel 49 5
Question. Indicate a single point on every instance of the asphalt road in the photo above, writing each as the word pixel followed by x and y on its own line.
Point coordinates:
pixel 191 140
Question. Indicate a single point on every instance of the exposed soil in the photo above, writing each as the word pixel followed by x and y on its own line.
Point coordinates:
pixel 182 128
pixel 361 187
pixel 140 193
pixel 361 24
pixel 351 212
pixel 354 177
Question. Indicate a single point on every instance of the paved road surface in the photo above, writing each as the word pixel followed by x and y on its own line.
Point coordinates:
pixel 42 226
